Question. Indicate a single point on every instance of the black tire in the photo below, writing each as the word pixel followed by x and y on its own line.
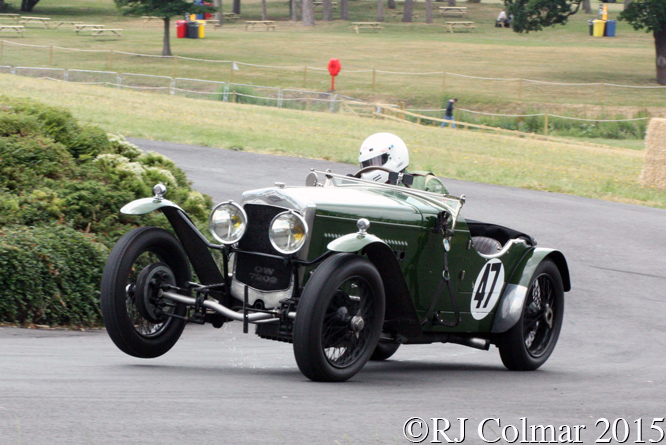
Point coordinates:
pixel 384 350
pixel 135 252
pixel 330 343
pixel 527 345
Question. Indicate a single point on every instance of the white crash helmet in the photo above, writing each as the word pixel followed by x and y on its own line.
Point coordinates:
pixel 383 150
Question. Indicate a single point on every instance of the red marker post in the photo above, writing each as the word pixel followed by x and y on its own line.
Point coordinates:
pixel 334 68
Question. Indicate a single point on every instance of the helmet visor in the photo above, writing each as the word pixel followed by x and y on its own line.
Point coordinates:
pixel 376 161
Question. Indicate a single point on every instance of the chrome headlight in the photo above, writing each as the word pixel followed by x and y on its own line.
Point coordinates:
pixel 287 232
pixel 228 222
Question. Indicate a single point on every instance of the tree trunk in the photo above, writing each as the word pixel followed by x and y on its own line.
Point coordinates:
pixel 391 4
pixel 452 2
pixel 660 46
pixel 409 7
pixel 344 9
pixel 166 48
pixel 2 5
pixel 587 7
pixel 236 7
pixel 292 11
pixel 627 3
pixel 428 11
pixel 308 13
pixel 327 13
pixel 264 14
pixel 380 10
pixel 218 15
pixel 27 5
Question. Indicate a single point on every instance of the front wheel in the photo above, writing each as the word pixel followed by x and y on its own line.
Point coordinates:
pixel 136 319
pixel 527 345
pixel 339 319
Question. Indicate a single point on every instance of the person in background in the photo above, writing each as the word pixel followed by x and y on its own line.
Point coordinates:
pixel 448 115
pixel 502 20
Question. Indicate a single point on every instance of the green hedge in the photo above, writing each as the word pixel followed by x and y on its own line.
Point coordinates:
pixel 50 275
pixel 61 188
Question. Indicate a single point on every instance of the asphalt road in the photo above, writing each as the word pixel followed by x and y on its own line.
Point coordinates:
pixel 221 386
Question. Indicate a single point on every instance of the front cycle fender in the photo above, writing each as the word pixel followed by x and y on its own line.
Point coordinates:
pixel 147 205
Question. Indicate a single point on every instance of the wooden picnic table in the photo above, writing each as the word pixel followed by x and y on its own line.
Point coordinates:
pixel 375 26
pixel 86 27
pixel 401 13
pixel 267 25
pixel 106 31
pixel 453 10
pixel 148 18
pixel 14 17
pixel 334 5
pixel 463 25
pixel 17 28
pixel 43 20
pixel 230 16
pixel 60 23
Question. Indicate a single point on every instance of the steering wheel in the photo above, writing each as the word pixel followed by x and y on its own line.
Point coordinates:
pixel 370 168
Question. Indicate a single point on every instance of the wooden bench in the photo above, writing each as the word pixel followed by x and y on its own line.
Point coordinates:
pixel 266 25
pixel 334 5
pixel 43 20
pixel 401 13
pixel 107 32
pixel 462 25
pixel 14 17
pixel 19 29
pixel 85 27
pixel 59 24
pixel 212 22
pixel 148 18
pixel 230 16
pixel 375 26
pixel 453 10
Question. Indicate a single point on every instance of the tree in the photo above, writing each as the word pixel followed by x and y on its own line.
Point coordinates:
pixel 27 5
pixel 534 15
pixel 307 13
pixel 409 9
pixel 428 7
pixel 650 15
pixel 161 8
pixel 264 13
pixel 327 13
pixel 217 4
pixel 344 9
pixel 380 10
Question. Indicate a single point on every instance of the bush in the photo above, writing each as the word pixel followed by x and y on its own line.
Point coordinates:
pixel 61 188
pixel 50 275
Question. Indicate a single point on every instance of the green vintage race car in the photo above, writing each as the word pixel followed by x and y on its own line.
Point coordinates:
pixel 345 269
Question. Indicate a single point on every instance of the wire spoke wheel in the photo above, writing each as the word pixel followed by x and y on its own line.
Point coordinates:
pixel 350 306
pixel 136 318
pixel 528 344
pixel 339 318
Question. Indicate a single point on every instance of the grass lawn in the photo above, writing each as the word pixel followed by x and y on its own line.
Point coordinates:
pixel 610 174
pixel 564 54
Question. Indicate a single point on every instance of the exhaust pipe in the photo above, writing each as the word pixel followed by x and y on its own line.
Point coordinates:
pixel 233 315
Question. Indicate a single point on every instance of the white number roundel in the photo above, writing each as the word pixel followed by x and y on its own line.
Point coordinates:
pixel 487 289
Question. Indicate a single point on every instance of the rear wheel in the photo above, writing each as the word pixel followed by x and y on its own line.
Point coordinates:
pixel 527 345
pixel 135 317
pixel 339 319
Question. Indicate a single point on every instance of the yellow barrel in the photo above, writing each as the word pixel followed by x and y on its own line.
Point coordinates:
pixel 598 28
pixel 604 12
pixel 193 17
pixel 202 28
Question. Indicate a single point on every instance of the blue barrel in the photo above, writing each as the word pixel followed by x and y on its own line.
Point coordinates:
pixel 610 28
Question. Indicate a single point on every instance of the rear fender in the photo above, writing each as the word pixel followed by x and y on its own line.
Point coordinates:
pixel 510 306
pixel 400 317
